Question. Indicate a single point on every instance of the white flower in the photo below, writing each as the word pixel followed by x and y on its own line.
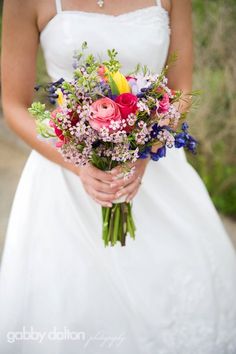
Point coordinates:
pixel 114 125
pixel 104 131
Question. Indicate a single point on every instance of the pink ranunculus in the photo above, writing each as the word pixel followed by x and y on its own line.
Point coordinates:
pixel 103 112
pixel 127 103
pixel 164 104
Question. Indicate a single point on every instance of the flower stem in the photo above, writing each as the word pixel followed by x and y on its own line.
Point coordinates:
pixel 117 222
pixel 106 217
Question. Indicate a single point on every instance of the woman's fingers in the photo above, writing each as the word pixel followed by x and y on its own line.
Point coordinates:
pixel 97 194
pixel 116 171
pixel 99 186
pixel 102 196
pixel 104 187
pixel 99 174
pixel 104 204
pixel 128 189
pixel 120 183
pixel 132 195
pixel 100 191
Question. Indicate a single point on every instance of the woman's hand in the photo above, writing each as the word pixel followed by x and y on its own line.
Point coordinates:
pixel 130 186
pixel 99 184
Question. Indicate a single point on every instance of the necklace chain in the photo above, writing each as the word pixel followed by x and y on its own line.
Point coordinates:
pixel 100 3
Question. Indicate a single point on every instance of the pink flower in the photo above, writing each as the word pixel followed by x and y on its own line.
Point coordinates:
pixel 164 104
pixel 58 131
pixel 55 120
pixel 103 112
pixel 127 103
pixel 102 72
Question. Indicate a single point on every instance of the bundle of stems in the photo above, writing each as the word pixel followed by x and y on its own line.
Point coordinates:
pixel 117 223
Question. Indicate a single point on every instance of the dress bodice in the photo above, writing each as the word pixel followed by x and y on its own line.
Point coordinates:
pixel 140 36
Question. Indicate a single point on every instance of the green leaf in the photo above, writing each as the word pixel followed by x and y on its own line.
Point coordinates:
pixel 44 129
pixel 113 86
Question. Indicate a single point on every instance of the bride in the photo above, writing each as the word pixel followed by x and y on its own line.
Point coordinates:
pixel 173 289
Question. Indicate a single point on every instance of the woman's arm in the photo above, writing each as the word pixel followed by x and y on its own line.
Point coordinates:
pixel 181 43
pixel 20 41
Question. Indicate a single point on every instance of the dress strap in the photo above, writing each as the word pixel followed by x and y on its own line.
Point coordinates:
pixel 159 3
pixel 58 6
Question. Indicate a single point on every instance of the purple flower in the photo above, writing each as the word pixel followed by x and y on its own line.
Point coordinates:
pixel 185 127
pixel 187 141
pixel 161 152
pixel 180 140
pixel 155 130
pixel 145 153
pixel 191 144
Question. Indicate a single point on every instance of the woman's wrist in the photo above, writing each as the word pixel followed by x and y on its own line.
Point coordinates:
pixel 71 167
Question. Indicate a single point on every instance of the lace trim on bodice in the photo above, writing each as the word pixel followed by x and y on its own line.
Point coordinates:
pixel 150 13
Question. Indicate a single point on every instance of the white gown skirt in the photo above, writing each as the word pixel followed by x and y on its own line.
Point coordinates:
pixel 170 291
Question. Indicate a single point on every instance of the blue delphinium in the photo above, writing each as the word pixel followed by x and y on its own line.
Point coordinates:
pixel 145 153
pixel 161 152
pixel 180 140
pixel 50 88
pixel 191 144
pixel 155 130
pixel 184 127
pixel 184 139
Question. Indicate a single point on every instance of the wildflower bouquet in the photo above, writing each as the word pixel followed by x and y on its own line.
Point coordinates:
pixel 109 120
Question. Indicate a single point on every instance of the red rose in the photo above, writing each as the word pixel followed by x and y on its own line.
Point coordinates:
pixel 127 103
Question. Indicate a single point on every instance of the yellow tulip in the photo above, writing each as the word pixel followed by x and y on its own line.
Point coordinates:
pixel 60 99
pixel 121 82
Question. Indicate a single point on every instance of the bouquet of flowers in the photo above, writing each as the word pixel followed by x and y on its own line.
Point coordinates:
pixel 108 120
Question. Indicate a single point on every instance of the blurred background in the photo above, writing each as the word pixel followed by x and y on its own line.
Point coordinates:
pixel 213 121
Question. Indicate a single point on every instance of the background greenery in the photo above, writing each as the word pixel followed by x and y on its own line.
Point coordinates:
pixel 213 122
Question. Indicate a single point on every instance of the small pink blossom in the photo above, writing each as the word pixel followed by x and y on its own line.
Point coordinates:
pixel 164 104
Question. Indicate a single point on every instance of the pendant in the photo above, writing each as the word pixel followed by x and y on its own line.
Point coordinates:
pixel 100 3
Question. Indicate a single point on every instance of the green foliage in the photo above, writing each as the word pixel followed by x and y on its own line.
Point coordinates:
pixel 42 116
pixel 219 178
pixel 112 64
pixel 214 122
pixel 38 110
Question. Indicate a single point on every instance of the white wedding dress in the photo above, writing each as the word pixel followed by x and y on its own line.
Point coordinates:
pixel 170 291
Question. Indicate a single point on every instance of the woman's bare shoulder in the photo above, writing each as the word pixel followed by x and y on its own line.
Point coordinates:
pixel 32 11
pixel 167 5
pixel 21 8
